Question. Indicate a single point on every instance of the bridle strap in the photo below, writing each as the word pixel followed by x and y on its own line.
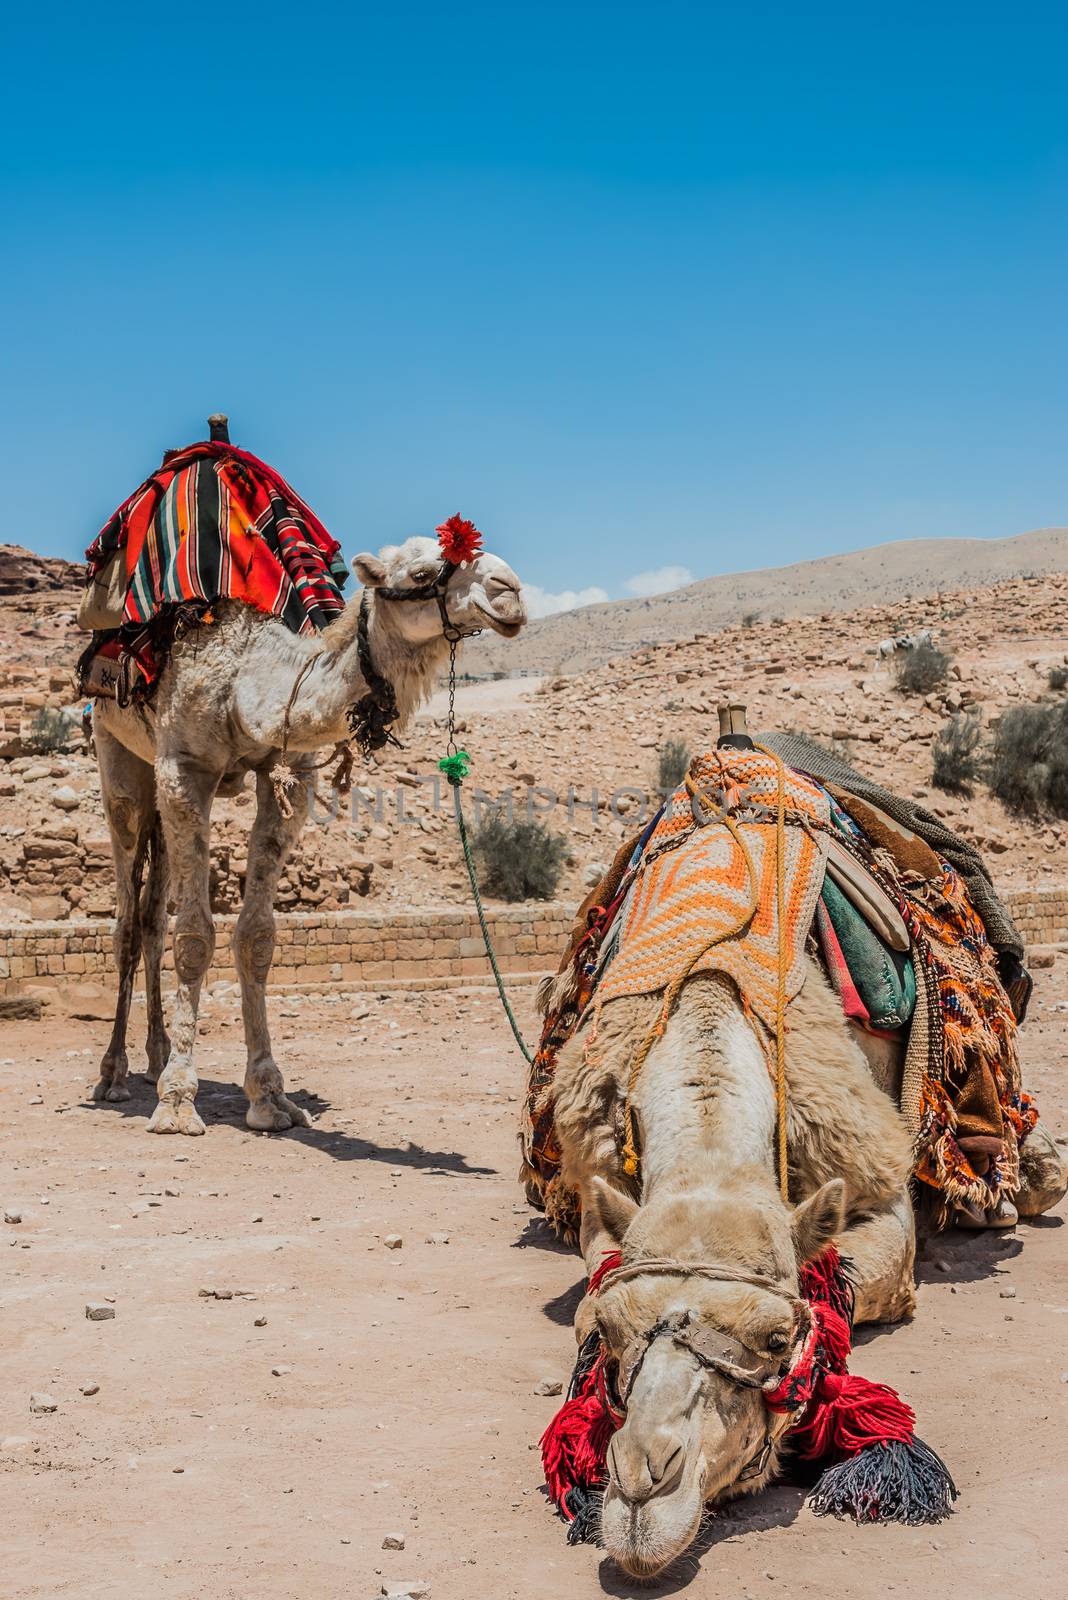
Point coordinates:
pixel 716 1272
pixel 373 716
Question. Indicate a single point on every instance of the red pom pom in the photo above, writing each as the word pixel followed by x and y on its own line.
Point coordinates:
pixel 459 539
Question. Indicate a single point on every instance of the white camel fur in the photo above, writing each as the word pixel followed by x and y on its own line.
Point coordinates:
pixel 706 1108
pixel 217 715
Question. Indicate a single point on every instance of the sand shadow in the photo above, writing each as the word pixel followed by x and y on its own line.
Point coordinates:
pixel 223 1105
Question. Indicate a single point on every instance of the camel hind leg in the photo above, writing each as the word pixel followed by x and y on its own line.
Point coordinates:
pixel 153 911
pixel 130 807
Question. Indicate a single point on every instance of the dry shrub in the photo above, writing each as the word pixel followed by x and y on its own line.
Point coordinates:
pixel 1029 765
pixel 673 763
pixel 922 669
pixel 518 860
pixel 957 757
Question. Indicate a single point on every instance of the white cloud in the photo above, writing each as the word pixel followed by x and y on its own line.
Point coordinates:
pixel 541 603
pixel 644 584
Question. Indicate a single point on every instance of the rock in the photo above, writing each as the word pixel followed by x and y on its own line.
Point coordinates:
pixel 393 1241
pixel 549 1386
pixel 89 1388
pixel 437 1238
pixel 259 1322
pixel 592 874
pixel 19 1008
pixel 42 1404
pixel 1039 960
pixel 1007 1294
pixel 393 1541
pixel 65 798
pixel 49 908
pixel 413 1589
pixel 281 1371
pixel 13 1217
pixel 98 1311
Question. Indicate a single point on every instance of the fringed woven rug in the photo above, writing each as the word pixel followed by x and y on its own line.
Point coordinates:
pixel 214 523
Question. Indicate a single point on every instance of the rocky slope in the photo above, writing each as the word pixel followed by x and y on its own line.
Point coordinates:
pixel 565 748
pixel 24 573
pixel 885 574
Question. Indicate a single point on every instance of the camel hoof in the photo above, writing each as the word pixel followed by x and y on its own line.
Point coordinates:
pixel 164 1119
pixel 189 1119
pixel 274 1114
pixel 107 1089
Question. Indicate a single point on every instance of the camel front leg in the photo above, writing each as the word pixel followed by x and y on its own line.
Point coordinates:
pixel 879 1251
pixel 271 840
pixel 185 794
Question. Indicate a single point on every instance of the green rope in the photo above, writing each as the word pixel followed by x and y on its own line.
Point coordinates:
pixel 455 766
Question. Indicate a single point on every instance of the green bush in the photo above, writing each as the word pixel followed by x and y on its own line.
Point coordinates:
pixel 1058 677
pixel 922 668
pixel 957 758
pixel 518 860
pixel 51 730
pixel 673 763
pixel 1029 765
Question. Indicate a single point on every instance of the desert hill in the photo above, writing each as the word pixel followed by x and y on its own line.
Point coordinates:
pixel 883 574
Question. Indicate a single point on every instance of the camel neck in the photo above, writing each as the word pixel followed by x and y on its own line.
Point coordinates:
pixel 707 1109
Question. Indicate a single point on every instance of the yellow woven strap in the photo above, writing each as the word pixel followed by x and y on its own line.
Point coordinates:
pixel 671 994
pixel 784 957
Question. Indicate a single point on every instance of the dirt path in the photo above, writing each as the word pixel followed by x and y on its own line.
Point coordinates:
pixel 403 1397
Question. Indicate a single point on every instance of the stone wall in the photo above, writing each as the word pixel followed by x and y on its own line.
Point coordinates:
pixel 359 949
pixel 412 949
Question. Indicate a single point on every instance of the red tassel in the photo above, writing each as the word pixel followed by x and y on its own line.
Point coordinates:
pixel 848 1414
pixel 575 1444
pixel 459 540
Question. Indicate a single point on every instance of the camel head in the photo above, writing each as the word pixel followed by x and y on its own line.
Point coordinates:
pixel 693 1433
pixel 483 592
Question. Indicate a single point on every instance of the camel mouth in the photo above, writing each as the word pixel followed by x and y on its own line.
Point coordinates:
pixel 644 1539
pixel 508 630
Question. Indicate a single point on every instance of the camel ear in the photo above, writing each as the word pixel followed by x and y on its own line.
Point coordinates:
pixel 370 571
pixel 615 1210
pixel 816 1220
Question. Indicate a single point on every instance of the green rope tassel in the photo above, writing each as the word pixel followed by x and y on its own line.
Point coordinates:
pixel 455 766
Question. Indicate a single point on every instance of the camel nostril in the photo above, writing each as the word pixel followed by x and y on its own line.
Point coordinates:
pixel 665 1461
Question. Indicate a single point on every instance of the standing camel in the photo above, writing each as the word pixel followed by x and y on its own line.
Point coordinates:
pixel 233 697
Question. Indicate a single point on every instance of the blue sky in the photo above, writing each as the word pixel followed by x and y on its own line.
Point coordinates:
pixel 634 286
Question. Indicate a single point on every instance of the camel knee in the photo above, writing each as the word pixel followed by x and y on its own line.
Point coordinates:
pixel 254 950
pixel 193 950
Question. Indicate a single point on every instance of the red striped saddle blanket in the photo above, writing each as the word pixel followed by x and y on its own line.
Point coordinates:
pixel 213 523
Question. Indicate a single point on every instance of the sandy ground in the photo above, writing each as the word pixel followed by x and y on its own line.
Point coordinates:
pixel 402 1399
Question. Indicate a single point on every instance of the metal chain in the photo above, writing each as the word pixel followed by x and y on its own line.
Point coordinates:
pixel 455 779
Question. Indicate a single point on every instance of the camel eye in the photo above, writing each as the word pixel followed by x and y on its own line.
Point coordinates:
pixel 423 573
pixel 777 1342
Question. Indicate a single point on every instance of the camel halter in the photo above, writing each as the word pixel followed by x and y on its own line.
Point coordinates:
pixel 374 714
pixel 712 1349
pixel 702 800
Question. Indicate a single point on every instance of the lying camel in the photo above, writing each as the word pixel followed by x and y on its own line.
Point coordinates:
pixel 709 1194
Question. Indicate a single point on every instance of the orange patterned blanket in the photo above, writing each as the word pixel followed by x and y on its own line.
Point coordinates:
pixel 696 881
